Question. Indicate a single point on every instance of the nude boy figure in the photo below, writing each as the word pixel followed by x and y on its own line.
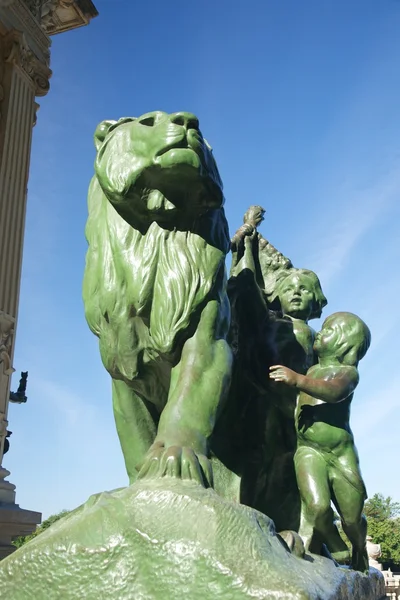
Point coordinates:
pixel 326 459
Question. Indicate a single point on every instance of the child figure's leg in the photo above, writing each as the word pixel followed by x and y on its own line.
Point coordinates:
pixel 349 496
pixel 317 526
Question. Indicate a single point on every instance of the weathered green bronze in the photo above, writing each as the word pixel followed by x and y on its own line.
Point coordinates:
pixel 271 304
pixel 326 460
pixel 168 539
pixel 233 415
pixel 155 289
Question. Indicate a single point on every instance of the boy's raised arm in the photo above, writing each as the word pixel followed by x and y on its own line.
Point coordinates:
pixel 329 390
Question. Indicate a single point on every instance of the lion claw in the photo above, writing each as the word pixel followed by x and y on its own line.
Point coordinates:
pixel 178 462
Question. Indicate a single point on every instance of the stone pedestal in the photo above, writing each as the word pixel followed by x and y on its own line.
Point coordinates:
pixel 15 521
pixel 165 538
pixel 7 489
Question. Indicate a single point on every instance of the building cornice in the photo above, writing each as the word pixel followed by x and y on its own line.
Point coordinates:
pixel 23 19
pixel 57 16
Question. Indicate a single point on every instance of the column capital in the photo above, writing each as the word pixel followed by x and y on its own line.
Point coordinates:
pixel 17 51
pixel 17 15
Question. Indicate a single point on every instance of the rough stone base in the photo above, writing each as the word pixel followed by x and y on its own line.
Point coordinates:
pixel 15 521
pixel 172 540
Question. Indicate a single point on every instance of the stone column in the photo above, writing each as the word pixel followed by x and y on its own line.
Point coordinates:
pixel 23 78
pixel 25 27
pixel 7 324
pixel 24 74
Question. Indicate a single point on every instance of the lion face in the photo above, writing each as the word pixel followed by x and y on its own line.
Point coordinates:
pixel 156 166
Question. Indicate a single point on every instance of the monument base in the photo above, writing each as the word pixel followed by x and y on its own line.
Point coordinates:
pixel 15 521
pixel 168 539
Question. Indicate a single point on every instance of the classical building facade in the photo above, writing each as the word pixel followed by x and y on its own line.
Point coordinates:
pixel 25 30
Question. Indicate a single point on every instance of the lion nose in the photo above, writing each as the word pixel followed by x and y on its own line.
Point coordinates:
pixel 185 119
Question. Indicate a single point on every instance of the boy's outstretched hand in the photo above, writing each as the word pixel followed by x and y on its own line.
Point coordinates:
pixel 283 374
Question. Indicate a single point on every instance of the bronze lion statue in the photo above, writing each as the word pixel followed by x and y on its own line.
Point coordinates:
pixel 155 289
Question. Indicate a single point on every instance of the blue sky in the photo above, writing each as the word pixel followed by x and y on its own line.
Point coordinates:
pixel 300 101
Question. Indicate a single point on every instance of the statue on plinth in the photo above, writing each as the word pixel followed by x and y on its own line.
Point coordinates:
pixel 20 397
pixel 217 506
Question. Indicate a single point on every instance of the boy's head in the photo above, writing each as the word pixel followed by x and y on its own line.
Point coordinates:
pixel 300 295
pixel 344 336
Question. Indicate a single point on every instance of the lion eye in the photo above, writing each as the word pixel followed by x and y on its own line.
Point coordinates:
pixel 148 121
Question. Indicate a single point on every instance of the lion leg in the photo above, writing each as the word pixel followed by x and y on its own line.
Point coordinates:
pixel 199 385
pixel 136 426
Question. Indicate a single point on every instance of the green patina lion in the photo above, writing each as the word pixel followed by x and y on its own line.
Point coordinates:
pixel 155 289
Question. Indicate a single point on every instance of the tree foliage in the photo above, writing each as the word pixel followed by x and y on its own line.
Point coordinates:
pixel 383 516
pixel 387 534
pixel 384 526
pixel 380 508
pixel 23 539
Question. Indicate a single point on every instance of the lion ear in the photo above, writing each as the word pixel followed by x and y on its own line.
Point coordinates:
pixel 101 132
pixel 105 127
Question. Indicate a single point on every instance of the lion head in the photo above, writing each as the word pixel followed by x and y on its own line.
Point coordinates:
pixel 157 167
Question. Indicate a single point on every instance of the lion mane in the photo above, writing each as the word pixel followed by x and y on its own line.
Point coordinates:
pixel 144 290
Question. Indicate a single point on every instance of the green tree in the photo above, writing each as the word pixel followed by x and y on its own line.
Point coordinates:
pixel 384 525
pixel 23 539
pixel 383 516
pixel 380 508
pixel 386 532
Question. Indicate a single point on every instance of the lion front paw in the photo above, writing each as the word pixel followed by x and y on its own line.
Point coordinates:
pixel 176 461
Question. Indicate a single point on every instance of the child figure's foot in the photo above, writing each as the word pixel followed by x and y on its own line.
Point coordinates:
pixel 293 542
pixel 359 561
